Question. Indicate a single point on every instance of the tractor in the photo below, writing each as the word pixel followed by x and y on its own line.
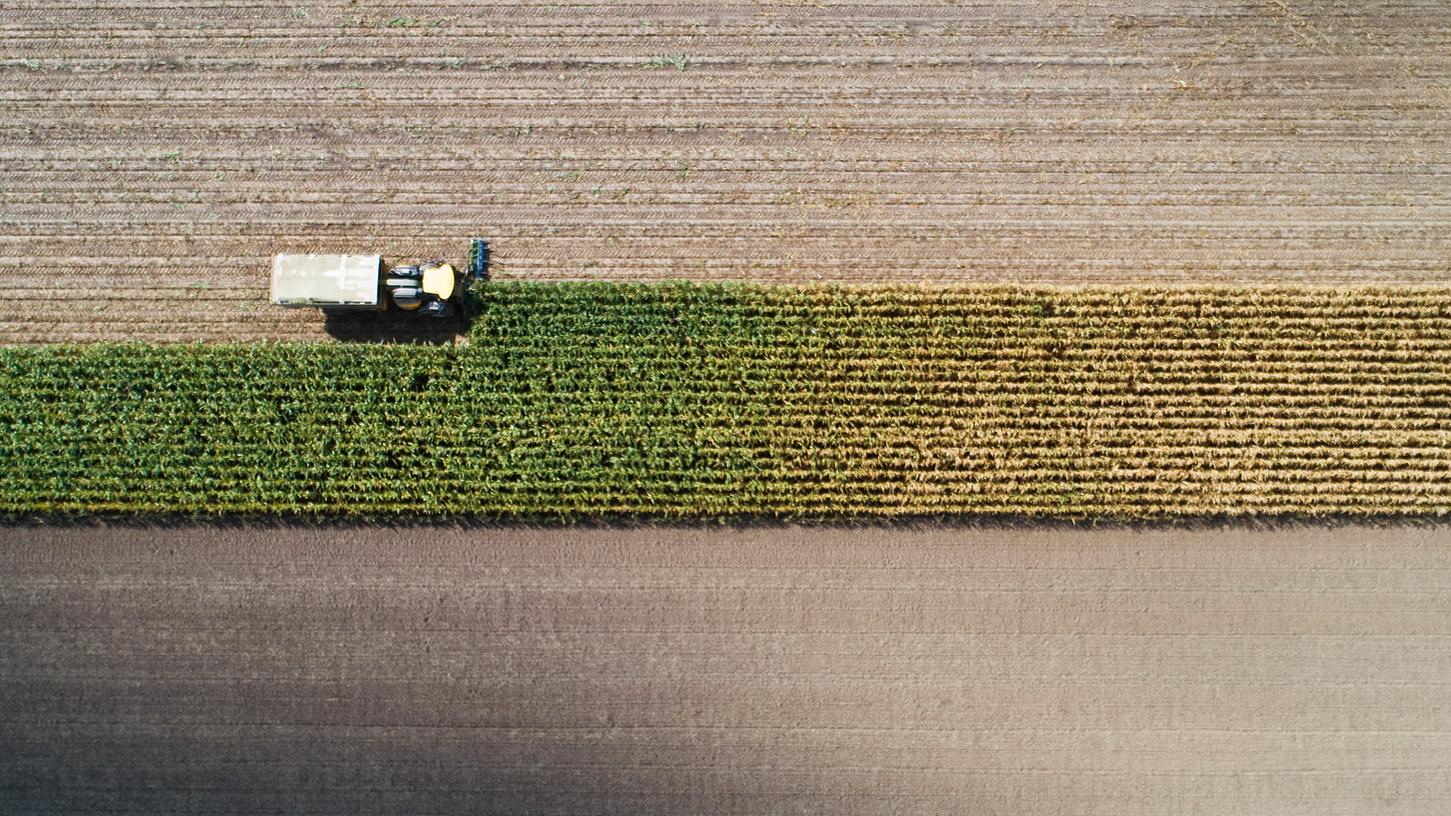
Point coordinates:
pixel 347 284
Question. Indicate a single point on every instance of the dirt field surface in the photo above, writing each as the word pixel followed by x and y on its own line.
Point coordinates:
pixel 156 155
pixel 694 671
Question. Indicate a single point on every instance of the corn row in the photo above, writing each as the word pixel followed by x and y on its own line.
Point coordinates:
pixel 686 401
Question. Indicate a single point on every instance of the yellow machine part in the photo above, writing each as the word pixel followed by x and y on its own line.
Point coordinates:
pixel 439 281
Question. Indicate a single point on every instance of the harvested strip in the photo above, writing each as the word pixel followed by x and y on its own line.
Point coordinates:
pixel 157 154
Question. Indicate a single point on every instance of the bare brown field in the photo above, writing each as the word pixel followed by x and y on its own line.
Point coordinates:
pixel 154 155
pixel 768 670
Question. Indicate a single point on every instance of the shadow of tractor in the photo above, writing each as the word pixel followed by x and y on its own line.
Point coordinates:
pixel 396 326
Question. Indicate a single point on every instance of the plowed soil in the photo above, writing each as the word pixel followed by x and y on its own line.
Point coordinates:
pixel 716 671
pixel 155 155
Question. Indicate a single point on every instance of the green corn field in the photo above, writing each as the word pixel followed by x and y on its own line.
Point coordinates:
pixel 681 401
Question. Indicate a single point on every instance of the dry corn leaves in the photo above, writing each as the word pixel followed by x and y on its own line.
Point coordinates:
pixel 686 401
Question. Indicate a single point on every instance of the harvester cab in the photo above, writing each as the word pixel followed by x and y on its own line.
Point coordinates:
pixel 344 284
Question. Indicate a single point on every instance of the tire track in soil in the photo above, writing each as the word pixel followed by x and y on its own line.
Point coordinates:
pixel 157 155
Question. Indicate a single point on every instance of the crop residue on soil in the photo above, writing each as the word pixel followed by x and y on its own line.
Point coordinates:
pixel 157 155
